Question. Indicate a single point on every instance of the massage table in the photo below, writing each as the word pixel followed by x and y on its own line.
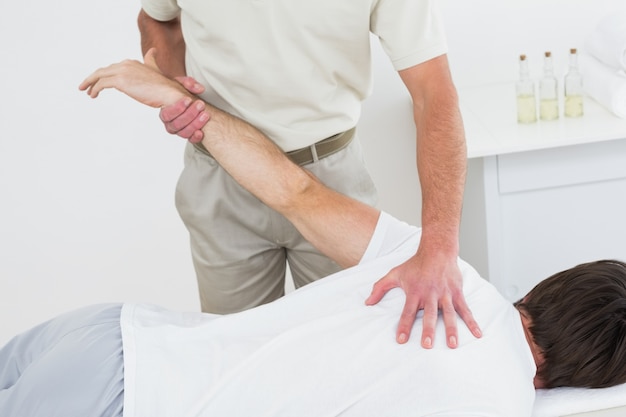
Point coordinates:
pixel 611 412
pixel 579 402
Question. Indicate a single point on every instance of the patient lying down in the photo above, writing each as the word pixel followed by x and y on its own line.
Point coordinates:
pixel 320 351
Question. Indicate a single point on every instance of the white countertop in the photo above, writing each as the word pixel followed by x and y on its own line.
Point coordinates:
pixel 491 128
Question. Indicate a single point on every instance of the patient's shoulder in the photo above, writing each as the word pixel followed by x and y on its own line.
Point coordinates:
pixel 391 235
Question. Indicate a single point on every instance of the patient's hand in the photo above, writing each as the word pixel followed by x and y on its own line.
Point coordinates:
pixel 143 82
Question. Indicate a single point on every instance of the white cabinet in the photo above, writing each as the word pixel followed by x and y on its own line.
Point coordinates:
pixel 530 212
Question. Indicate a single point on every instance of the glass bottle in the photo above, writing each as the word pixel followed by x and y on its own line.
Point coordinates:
pixel 525 89
pixel 548 91
pixel 573 87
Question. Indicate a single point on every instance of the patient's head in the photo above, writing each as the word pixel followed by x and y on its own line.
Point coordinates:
pixel 578 322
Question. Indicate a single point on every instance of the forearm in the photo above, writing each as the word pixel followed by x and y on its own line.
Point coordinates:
pixel 167 37
pixel 335 224
pixel 253 160
pixel 442 164
pixel 441 152
pixel 431 278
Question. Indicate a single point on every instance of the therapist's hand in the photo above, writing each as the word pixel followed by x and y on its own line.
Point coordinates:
pixel 186 118
pixel 432 281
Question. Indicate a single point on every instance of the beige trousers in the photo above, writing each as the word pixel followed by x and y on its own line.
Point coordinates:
pixel 240 247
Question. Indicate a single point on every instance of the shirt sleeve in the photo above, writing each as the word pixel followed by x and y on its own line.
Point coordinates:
pixel 391 235
pixel 410 31
pixel 161 10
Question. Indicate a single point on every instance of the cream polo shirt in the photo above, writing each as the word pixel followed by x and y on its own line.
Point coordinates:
pixel 298 69
pixel 321 352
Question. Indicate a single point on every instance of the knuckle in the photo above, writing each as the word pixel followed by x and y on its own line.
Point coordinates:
pixel 185 133
pixel 407 315
pixel 448 309
pixel 430 315
pixel 197 124
pixel 178 124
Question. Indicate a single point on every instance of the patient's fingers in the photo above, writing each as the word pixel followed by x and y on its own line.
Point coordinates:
pixel 94 84
pixel 139 81
pixel 89 82
pixel 106 77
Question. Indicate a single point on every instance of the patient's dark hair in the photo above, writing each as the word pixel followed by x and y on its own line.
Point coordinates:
pixel 578 322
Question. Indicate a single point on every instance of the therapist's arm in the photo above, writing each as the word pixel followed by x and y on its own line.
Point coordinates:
pixel 167 38
pixel 431 279
pixel 337 225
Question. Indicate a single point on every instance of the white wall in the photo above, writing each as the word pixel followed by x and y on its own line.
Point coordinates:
pixel 486 37
pixel 86 187
pixel 485 40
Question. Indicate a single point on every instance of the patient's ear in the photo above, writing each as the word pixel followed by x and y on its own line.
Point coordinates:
pixel 539 362
pixel 538 382
pixel 537 354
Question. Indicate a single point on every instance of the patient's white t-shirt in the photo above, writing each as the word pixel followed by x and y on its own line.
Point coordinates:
pixel 321 352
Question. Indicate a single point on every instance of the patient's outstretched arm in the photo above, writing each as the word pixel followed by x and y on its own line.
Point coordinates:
pixel 337 225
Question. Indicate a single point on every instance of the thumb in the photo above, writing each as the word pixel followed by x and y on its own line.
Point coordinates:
pixel 150 59
pixel 381 287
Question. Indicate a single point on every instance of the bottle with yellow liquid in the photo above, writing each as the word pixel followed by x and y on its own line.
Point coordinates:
pixel 548 91
pixel 525 89
pixel 573 87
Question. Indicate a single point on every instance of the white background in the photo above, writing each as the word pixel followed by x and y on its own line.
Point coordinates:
pixel 86 186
